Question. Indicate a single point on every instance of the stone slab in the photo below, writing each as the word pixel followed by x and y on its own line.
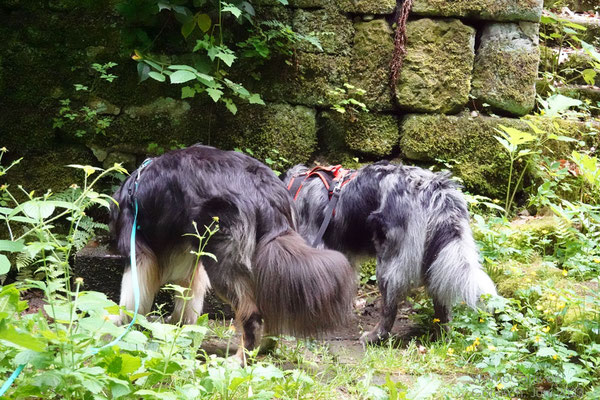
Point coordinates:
pixel 367 133
pixel 367 6
pixel 333 30
pixel 494 10
pixel 436 74
pixel 506 67
pixel 370 64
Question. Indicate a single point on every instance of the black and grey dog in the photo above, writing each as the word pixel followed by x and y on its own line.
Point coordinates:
pixel 413 220
pixel 263 268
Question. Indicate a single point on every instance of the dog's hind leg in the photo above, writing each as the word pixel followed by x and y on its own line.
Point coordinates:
pixel 148 282
pixel 192 308
pixel 249 320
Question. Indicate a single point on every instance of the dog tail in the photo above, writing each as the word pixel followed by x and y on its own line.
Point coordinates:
pixel 455 273
pixel 301 290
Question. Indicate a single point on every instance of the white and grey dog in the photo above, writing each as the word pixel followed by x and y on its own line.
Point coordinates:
pixel 413 220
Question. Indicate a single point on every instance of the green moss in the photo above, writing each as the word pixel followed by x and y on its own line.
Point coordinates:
pixel 497 10
pixel 436 75
pixel 518 277
pixel 506 67
pixel 291 130
pixel 467 142
pixel 366 133
pixel 310 81
pixel 367 6
pixel 45 170
pixel 370 64
pixel 333 29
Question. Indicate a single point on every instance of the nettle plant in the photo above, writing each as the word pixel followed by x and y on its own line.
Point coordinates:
pixel 211 32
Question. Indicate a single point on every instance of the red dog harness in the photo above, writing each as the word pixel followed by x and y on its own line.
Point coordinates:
pixel 334 178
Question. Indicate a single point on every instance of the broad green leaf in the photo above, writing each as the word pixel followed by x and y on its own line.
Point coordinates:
pixel 214 94
pixel 232 9
pixel 187 92
pixel 204 22
pixel 546 352
pixel 22 339
pixel 188 27
pixel 183 67
pixel 4 264
pixel 182 76
pixel 60 312
pixel 38 209
pixel 425 387
pixel 156 76
pixel 11 246
pixel 230 105
pixel 589 76
pixel 558 103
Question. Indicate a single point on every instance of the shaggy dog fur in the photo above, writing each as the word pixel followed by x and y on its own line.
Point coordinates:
pixel 417 225
pixel 264 269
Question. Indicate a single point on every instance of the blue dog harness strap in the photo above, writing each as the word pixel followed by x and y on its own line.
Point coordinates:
pixel 132 259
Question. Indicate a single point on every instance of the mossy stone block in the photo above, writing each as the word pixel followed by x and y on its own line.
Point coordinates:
pixel 494 10
pixel 291 130
pixel 367 6
pixel 368 133
pixel 370 65
pixel 47 169
pixel 481 161
pixel 436 74
pixel 506 67
pixel 333 29
pixel 311 80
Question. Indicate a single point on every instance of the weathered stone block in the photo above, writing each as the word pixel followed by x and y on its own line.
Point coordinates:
pixel 310 81
pixel 469 142
pixel 367 6
pixel 506 67
pixel 291 130
pixel 370 65
pixel 481 161
pixel 436 75
pixel 367 133
pixel 495 10
pixel 334 30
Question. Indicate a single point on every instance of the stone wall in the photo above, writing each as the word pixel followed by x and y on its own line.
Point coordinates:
pixel 465 58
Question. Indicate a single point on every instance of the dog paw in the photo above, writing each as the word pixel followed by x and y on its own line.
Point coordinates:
pixel 373 337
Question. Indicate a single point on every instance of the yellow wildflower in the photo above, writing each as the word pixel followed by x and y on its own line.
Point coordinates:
pixel 554 357
pixel 546 329
pixel 551 319
pixel 450 351
pixel 597 260
pixel 514 328
pixel 552 297
pixel 481 320
pixel 560 305
pixel 539 307
pixel 492 347
pixel 499 386
pixel 537 338
pixel 436 320
pixel 476 342
pixel 565 272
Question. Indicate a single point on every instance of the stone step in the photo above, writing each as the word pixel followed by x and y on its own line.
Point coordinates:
pixel 102 269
